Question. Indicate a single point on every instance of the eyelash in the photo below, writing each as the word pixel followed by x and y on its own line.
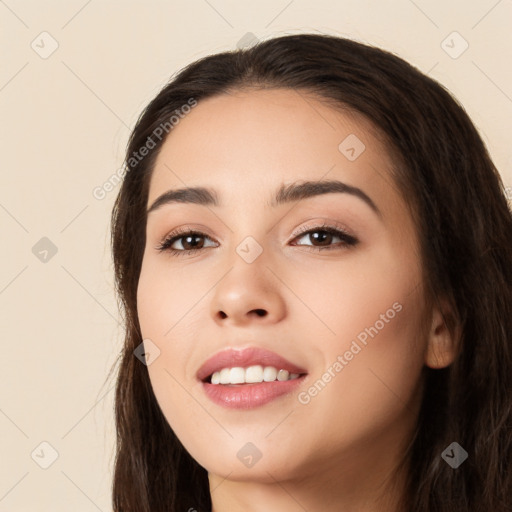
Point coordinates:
pixel 347 240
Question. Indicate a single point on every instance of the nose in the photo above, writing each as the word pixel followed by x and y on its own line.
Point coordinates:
pixel 248 292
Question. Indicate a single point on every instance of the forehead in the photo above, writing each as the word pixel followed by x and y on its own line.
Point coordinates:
pixel 253 141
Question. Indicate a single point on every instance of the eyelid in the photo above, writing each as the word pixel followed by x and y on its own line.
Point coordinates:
pixel 169 239
pixel 344 234
pixel 321 226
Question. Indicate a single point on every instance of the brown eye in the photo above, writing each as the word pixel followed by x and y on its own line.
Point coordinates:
pixel 321 237
pixel 185 242
pixel 326 238
pixel 190 242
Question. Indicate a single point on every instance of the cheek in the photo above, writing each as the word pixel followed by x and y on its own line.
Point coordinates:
pixel 168 317
pixel 370 347
pixel 369 293
pixel 372 364
pixel 383 356
pixel 168 302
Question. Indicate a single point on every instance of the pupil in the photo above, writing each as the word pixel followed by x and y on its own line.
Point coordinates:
pixel 191 237
pixel 322 237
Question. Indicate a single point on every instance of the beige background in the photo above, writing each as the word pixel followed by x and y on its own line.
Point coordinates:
pixel 65 122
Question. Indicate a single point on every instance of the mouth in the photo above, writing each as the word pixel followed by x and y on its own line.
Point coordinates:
pixel 243 379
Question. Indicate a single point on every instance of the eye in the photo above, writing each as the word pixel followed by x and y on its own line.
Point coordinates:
pixel 190 241
pixel 325 236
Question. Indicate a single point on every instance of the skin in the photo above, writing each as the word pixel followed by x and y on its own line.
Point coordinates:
pixel 338 451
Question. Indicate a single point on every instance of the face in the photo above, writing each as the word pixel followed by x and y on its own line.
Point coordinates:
pixel 330 282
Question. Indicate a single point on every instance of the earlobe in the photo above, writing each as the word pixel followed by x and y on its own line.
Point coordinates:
pixel 443 337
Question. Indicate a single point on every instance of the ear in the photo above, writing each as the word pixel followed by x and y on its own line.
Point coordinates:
pixel 443 336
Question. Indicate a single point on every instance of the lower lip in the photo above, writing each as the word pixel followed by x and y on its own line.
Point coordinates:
pixel 247 396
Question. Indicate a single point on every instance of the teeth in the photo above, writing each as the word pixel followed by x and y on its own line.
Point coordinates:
pixel 224 376
pixel 237 376
pixel 269 374
pixel 251 375
pixel 283 375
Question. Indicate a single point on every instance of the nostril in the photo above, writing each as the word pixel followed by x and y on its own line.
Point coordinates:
pixel 260 312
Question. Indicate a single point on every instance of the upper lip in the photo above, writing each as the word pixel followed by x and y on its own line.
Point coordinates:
pixel 230 358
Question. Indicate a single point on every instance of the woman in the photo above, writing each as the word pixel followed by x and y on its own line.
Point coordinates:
pixel 312 247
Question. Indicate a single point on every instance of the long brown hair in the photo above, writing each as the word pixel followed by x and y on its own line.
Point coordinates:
pixel 458 202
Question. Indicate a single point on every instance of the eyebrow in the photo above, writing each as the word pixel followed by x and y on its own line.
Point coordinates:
pixel 285 194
